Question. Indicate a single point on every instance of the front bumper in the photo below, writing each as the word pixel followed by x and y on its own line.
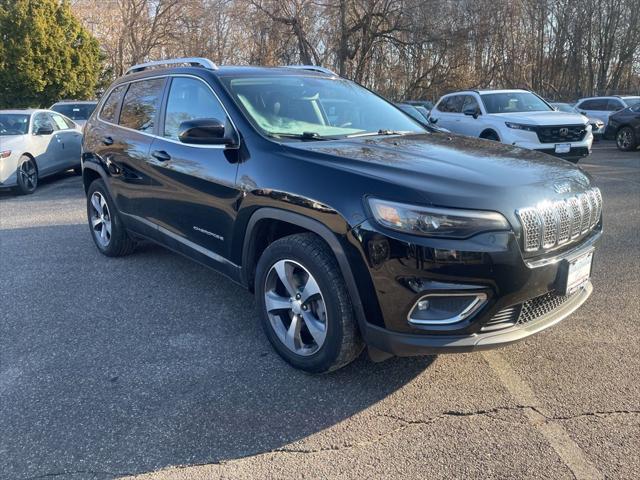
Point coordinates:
pixel 529 140
pixel 404 345
pixel 402 272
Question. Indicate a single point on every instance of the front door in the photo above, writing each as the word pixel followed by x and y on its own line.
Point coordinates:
pixel 195 190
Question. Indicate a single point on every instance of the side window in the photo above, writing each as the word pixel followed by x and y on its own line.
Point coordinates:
pixel 590 105
pixel 42 120
pixel 110 107
pixel 190 99
pixel 469 103
pixel 442 105
pixel 455 103
pixel 614 105
pixel 59 122
pixel 141 103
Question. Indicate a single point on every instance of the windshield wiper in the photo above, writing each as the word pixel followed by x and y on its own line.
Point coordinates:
pixel 300 136
pixel 382 131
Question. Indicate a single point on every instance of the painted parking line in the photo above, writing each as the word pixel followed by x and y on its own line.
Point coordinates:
pixel 569 452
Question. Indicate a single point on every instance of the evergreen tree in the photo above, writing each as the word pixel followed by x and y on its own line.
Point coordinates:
pixel 45 54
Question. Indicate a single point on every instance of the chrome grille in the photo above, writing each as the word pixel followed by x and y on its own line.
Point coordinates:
pixel 552 224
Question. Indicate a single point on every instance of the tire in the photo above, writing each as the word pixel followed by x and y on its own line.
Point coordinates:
pixel 78 170
pixel 626 139
pixel 27 175
pixel 491 135
pixel 106 227
pixel 326 337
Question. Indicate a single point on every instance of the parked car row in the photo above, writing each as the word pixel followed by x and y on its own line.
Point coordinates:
pixel 36 143
pixel 522 118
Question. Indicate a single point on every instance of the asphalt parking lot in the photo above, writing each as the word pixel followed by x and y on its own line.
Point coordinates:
pixel 152 363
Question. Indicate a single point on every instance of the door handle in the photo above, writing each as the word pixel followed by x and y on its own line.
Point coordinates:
pixel 161 155
pixel 107 140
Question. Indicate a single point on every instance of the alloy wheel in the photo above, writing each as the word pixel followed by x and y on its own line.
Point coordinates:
pixel 100 219
pixel 29 175
pixel 296 307
pixel 624 139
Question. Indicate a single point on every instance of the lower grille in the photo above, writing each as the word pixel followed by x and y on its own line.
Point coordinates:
pixel 561 133
pixel 526 312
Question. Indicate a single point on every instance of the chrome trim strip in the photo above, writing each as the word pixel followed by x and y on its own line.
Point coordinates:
pixel 215 147
pixel 479 301
pixel 194 246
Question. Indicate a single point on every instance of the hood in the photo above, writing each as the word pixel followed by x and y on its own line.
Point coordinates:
pixel 452 170
pixel 10 142
pixel 544 118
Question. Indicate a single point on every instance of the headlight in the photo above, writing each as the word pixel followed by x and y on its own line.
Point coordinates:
pixel 435 222
pixel 521 126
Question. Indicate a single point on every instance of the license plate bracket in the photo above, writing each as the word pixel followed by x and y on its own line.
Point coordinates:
pixel 574 273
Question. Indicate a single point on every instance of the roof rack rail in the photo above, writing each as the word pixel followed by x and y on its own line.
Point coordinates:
pixel 314 68
pixel 193 61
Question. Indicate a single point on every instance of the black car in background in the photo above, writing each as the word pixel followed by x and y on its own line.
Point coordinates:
pixel 353 224
pixel 624 127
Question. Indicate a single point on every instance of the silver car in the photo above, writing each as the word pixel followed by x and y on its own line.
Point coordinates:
pixel 34 144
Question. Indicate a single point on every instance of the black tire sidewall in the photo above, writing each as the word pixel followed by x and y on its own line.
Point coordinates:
pixel 118 232
pixel 322 360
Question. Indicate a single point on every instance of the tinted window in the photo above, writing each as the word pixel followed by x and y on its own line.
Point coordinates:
pixel 614 105
pixel 42 120
pixel 452 104
pixel 110 107
pixel 470 103
pixel 141 103
pixel 75 111
pixel 190 99
pixel 593 105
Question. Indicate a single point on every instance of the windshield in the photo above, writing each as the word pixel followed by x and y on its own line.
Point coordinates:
pixel 75 111
pixel 315 107
pixel 513 102
pixel 564 107
pixel 14 124
pixel 631 101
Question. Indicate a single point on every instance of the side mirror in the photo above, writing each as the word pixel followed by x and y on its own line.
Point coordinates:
pixel 472 112
pixel 204 131
pixel 44 130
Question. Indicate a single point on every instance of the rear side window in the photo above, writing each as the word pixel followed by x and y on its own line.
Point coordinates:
pixel 451 104
pixel 140 105
pixel 190 99
pixel 110 107
pixel 600 104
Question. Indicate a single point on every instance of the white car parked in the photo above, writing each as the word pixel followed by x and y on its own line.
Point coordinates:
pixel 34 144
pixel 515 117
pixel 603 107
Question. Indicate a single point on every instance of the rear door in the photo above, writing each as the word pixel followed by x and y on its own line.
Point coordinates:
pixel 128 144
pixel 196 189
pixel 69 140
pixel 450 112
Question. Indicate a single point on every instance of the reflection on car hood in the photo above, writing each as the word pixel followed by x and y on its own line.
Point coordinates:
pixel 453 170
pixel 543 118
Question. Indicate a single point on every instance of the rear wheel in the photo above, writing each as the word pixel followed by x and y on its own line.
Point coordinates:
pixel 27 174
pixel 304 305
pixel 626 139
pixel 107 229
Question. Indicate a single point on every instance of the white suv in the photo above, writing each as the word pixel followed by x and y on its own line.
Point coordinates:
pixel 515 117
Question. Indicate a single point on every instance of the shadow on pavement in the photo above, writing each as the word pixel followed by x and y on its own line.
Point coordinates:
pixel 114 366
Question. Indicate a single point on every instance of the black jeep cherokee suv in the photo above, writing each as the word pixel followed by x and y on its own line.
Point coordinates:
pixel 353 224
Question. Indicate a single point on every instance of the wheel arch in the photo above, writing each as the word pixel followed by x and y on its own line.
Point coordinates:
pixel 488 131
pixel 263 219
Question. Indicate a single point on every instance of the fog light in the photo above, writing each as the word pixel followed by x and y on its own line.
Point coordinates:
pixel 423 304
pixel 445 308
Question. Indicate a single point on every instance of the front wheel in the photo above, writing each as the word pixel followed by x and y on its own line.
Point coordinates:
pixel 27 175
pixel 304 305
pixel 626 139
